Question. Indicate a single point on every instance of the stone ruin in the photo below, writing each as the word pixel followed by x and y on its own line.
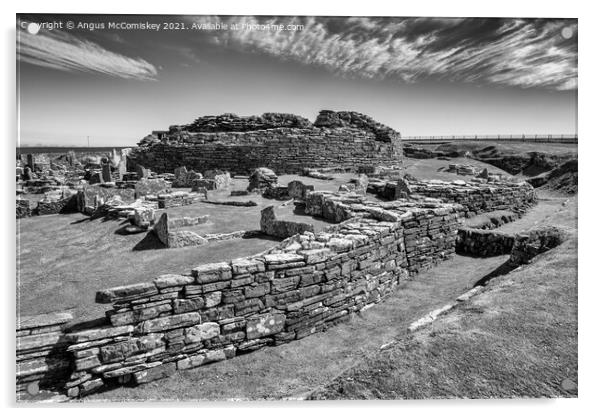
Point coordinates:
pixel 282 229
pixel 306 283
pixel 386 229
pixel 284 142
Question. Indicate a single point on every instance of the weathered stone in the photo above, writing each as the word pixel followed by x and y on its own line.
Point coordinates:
pixel 119 351
pixel 91 386
pixel 98 334
pixel 123 293
pixel 282 258
pixel 261 179
pixel 201 332
pixel 188 305
pixel 169 322
pixel 247 265
pixel 213 272
pixel 316 255
pixel 264 325
pixel 212 299
pixel 155 373
pixel 170 280
pixel 48 319
pixel 269 225
pixel 150 342
pixel 38 341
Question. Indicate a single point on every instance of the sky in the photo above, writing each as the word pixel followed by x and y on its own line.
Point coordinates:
pixel 115 78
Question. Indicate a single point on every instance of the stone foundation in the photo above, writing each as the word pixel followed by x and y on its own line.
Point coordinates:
pixel 478 196
pixel 277 141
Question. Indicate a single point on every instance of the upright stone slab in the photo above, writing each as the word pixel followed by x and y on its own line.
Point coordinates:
pixel 106 172
pixel 31 161
pixel 142 172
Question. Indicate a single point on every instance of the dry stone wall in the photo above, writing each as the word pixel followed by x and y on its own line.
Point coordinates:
pixel 477 196
pixel 42 358
pixel 287 146
pixel 483 243
pixel 305 284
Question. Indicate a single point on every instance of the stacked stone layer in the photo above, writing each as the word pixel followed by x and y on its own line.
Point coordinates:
pixel 42 359
pixel 483 243
pixel 477 196
pixel 305 284
pixel 339 139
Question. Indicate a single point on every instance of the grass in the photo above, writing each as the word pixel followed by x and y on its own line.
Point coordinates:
pixel 297 368
pixel 435 168
pixel 507 148
pixel 62 260
pixel 516 339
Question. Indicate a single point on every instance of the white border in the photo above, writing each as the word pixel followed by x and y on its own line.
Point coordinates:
pixel 589 153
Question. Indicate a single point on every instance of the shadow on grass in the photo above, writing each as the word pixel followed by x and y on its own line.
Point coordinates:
pixel 502 269
pixel 149 242
pixel 257 234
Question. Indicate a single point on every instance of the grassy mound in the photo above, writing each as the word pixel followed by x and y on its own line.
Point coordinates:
pixel 563 178
pixel 516 339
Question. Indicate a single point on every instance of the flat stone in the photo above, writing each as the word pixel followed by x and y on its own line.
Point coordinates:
pixel 36 341
pixel 213 272
pixel 246 265
pixel 213 299
pixel 201 332
pixel 126 292
pixel 264 325
pixel 170 280
pixel 282 258
pixel 97 334
pixel 188 305
pixel 130 369
pixel 316 255
pixel 48 319
pixel 119 351
pixel 155 373
pixel 169 322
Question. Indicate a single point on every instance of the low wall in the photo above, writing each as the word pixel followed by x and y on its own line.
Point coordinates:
pixel 42 358
pixel 305 284
pixel 483 243
pixel 478 197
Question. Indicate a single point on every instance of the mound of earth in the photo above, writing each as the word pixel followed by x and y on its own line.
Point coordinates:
pixel 563 179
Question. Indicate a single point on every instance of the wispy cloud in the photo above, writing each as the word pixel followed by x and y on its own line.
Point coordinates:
pixel 506 52
pixel 63 51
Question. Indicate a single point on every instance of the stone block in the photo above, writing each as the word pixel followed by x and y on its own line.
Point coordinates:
pixel 264 325
pixel 171 280
pixel 213 272
pixel 169 322
pixel 128 292
pixel 202 332
pixel 188 305
pixel 155 373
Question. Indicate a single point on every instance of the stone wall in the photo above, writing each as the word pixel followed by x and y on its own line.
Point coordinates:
pixel 284 147
pixel 305 284
pixel 42 358
pixel 282 229
pixel 477 196
pixel 483 243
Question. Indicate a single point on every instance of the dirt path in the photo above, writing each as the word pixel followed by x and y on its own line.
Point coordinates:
pixel 294 369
